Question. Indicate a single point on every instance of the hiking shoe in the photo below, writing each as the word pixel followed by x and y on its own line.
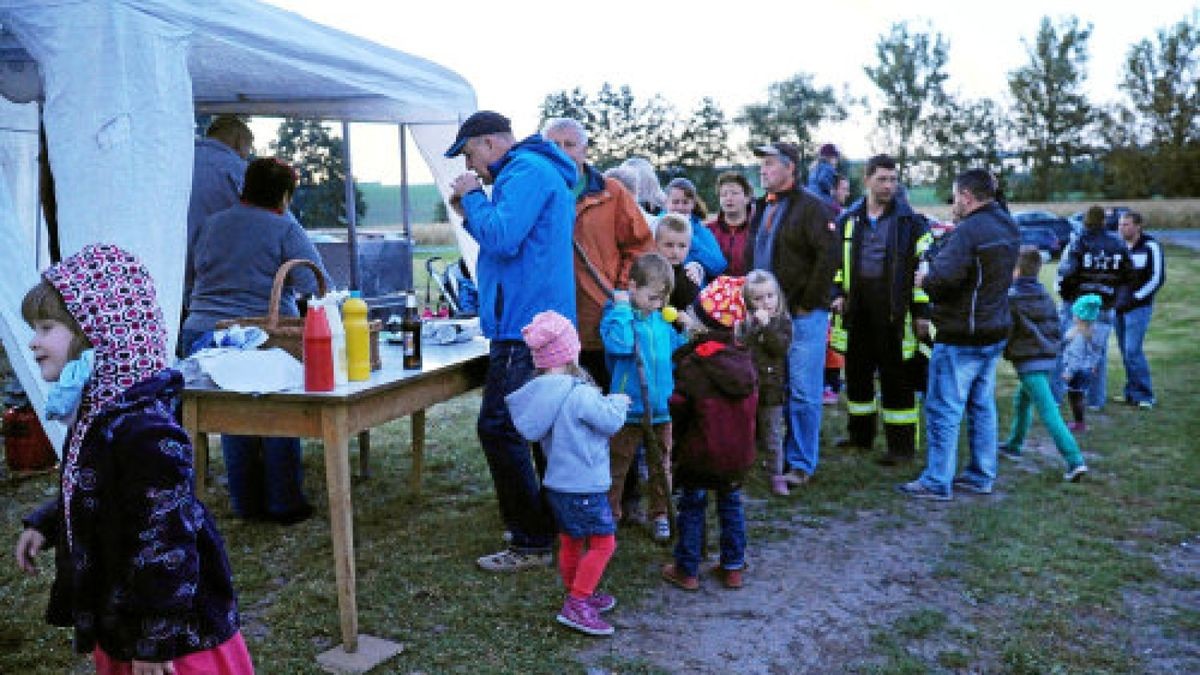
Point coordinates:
pixel 967 485
pixel 510 560
pixel 779 485
pixel 1076 474
pixel 795 478
pixel 602 602
pixel 830 397
pixel 672 575
pixel 577 613
pixel 729 578
pixel 917 490
pixel 847 443
pixel 662 530
pixel 1077 427
pixel 893 459
pixel 1006 450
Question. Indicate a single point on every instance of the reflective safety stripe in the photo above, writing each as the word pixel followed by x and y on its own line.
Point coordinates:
pixel 838 339
pixel 909 416
pixel 862 408
pixel 908 346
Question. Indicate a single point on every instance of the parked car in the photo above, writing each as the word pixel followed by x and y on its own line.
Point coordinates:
pixel 1062 228
pixel 1112 216
pixel 1044 239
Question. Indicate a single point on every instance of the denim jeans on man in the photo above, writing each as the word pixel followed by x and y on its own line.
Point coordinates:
pixel 265 473
pixel 1131 329
pixel 1098 388
pixel 691 507
pixel 961 378
pixel 806 378
pixel 515 476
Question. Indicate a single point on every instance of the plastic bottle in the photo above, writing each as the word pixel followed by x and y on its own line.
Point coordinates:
pixel 410 327
pixel 318 351
pixel 358 337
pixel 337 333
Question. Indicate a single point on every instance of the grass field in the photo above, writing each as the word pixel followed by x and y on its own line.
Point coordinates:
pixel 1089 578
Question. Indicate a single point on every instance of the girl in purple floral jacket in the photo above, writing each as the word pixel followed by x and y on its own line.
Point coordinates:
pixel 140 570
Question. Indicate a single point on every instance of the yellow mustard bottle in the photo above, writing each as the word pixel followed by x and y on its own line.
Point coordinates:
pixel 358 338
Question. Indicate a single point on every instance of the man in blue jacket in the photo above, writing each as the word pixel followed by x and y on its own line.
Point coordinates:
pixel 967 285
pixel 525 266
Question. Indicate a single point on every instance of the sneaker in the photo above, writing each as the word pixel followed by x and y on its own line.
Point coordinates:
pixel 1145 405
pixel 578 614
pixel 1006 450
pixel 1076 474
pixel 795 478
pixel 917 490
pixel 510 560
pixel 967 485
pixel 1077 427
pixel 1095 408
pixel 602 602
pixel 662 529
pixel 672 575
pixel 779 486
pixel 729 578
pixel 830 397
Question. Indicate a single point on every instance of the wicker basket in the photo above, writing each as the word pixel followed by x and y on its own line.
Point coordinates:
pixel 287 332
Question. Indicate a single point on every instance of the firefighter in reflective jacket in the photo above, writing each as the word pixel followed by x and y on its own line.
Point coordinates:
pixel 880 317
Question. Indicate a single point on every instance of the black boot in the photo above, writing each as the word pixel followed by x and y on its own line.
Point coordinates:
pixel 901 444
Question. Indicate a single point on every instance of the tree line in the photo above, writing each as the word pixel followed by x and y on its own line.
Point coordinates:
pixel 1046 139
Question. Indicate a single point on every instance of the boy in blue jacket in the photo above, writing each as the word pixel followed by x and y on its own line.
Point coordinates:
pixel 638 343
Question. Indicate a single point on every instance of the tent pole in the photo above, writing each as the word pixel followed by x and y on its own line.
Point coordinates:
pixel 405 204
pixel 351 210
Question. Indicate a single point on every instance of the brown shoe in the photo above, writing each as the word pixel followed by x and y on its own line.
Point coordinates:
pixel 729 578
pixel 672 575
pixel 795 478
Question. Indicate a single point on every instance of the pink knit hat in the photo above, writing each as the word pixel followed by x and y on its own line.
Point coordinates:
pixel 552 339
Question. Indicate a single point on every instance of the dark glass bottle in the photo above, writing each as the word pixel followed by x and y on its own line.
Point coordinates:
pixel 410 328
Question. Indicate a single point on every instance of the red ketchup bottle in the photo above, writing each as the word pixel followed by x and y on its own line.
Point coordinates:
pixel 318 351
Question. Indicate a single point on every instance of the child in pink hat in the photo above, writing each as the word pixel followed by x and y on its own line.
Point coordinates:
pixel 566 412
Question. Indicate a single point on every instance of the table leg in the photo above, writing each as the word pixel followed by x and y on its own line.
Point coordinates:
pixel 341 519
pixel 418 451
pixel 364 453
pixel 199 445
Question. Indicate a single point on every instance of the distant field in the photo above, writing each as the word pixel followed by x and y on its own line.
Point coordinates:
pixel 1160 214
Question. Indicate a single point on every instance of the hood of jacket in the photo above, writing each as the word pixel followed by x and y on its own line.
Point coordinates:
pixel 724 365
pixel 536 144
pixel 535 406
pixel 111 295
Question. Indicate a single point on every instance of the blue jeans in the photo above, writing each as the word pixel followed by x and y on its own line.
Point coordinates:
pixel 806 377
pixel 961 377
pixel 516 478
pixel 1131 329
pixel 689 517
pixel 266 474
pixel 1099 385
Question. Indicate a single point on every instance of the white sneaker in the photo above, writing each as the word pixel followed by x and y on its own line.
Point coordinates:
pixel 1075 474
pixel 509 560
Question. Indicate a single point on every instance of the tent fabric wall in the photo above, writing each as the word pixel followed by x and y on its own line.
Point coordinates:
pixel 121 82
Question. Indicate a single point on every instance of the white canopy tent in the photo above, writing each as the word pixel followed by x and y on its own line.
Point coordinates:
pixel 118 84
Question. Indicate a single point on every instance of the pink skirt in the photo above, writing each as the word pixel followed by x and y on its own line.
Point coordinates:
pixel 228 658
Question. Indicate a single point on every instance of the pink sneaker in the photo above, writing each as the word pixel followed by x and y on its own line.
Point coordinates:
pixel 601 602
pixel 830 397
pixel 779 486
pixel 1077 427
pixel 581 616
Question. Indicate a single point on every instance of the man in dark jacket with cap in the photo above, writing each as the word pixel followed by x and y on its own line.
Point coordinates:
pixel 524 267
pixel 967 284
pixel 796 239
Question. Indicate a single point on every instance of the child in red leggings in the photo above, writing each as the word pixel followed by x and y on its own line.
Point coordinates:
pixel 568 414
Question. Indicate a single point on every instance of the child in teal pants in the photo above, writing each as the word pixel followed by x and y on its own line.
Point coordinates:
pixel 1033 343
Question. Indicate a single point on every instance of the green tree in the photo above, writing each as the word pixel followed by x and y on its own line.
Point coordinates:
pixel 1162 80
pixel 911 74
pixel 794 108
pixel 320 199
pixel 1051 117
pixel 961 135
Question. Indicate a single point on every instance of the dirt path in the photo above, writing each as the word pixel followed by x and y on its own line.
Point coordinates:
pixel 811 600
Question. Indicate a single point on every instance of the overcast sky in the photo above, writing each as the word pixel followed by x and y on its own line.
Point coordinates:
pixel 514 53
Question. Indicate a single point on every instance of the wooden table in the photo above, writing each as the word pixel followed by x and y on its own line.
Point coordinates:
pixel 391 393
